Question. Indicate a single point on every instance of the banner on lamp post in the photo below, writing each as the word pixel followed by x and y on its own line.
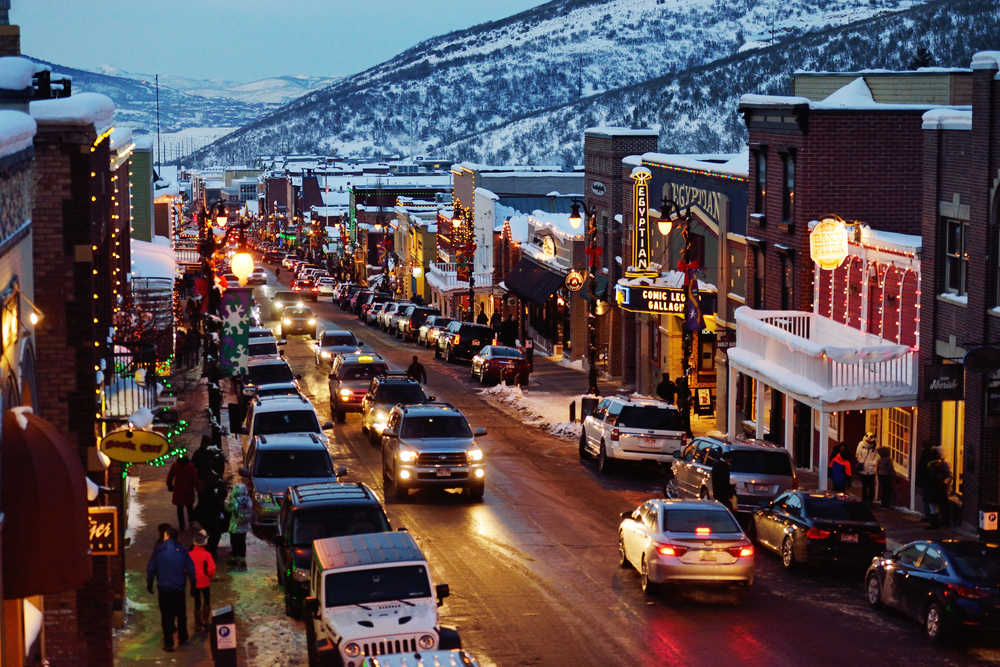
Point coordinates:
pixel 235 343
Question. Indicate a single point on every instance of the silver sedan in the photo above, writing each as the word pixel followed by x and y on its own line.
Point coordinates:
pixel 685 542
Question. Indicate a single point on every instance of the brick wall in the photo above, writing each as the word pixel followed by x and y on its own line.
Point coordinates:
pixel 10 40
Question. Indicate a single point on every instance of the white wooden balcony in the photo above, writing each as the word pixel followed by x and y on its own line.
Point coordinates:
pixel 444 277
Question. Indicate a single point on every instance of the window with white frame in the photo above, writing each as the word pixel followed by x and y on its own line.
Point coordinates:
pixel 892 428
pixel 956 259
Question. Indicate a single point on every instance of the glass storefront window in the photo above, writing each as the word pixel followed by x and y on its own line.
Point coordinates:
pixel 892 428
pixel 953 439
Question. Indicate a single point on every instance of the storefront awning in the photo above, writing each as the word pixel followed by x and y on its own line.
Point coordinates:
pixel 46 547
pixel 533 282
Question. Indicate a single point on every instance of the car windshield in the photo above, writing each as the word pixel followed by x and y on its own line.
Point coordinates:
pixel 301 463
pixel 318 524
pixel 285 296
pixel 761 462
pixel 352 372
pixel 441 322
pixel 649 418
pixel 286 421
pixel 832 509
pixel 331 339
pixel 407 394
pixel 298 312
pixel 376 585
pixel 263 349
pixel 975 561
pixel 505 353
pixel 436 427
pixel 270 373
pixel 690 520
pixel 278 390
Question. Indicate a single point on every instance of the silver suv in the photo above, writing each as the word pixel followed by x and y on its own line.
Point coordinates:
pixel 761 471
pixel 431 444
pixel 631 428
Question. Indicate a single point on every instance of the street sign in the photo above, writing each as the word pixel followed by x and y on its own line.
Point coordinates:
pixel 133 445
pixel 988 520
pixel 225 636
pixel 103 530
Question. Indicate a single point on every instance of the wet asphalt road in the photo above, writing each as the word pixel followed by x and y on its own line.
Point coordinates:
pixel 533 568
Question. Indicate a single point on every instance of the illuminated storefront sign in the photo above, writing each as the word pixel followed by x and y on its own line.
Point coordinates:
pixel 828 243
pixel 640 237
pixel 639 299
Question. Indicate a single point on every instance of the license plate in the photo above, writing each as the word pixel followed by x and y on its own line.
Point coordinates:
pixel 851 539
pixel 475 342
pixel 444 472
pixel 649 442
pixel 709 555
pixel 761 488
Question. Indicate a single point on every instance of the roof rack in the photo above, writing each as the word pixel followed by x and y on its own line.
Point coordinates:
pixel 279 397
pixel 435 404
pixel 393 374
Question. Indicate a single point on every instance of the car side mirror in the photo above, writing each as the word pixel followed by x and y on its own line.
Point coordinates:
pixel 442 591
pixel 360 343
pixel 676 453
pixel 341 472
pixel 626 515
pixel 480 430
pixel 244 472
pixel 431 399
pixel 298 376
pixel 887 554
pixel 402 529
pixel 327 426
pixel 312 605
pixel 282 342
pixel 278 540
pixel 388 433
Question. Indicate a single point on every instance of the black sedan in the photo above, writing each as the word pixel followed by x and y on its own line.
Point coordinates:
pixel 804 527
pixel 947 585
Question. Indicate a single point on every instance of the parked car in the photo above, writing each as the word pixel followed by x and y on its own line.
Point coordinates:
pixel 350 375
pixel 278 389
pixel 260 332
pixel 494 363
pixel 685 542
pixel 392 319
pixel 431 445
pixel 298 320
pixel 265 347
pixel 261 371
pixel 386 390
pixel 273 257
pixel 947 585
pixel 315 511
pixel 761 471
pixel 411 319
pixel 347 293
pixel 386 315
pixel 283 299
pixel 288 261
pixel 274 463
pixel 805 527
pixel 306 288
pixel 629 428
pixel 358 300
pixel 275 415
pixel 331 342
pixel 325 286
pixel 461 340
pixel 427 335
pixel 371 300
pixel 371 315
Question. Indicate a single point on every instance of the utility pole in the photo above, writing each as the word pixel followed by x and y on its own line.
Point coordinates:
pixel 158 148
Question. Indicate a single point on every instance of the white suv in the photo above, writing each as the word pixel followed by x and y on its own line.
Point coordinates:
pixel 270 415
pixel 632 428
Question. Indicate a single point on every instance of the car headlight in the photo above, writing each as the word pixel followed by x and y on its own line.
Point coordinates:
pixel 381 416
pixel 426 642
pixel 345 393
pixel 325 355
pixel 300 574
pixel 406 456
pixel 286 321
pixel 312 321
pixel 352 650
pixel 475 454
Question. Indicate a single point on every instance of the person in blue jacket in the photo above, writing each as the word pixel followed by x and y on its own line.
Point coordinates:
pixel 171 566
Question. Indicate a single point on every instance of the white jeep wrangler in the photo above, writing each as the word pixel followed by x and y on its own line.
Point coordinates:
pixel 371 595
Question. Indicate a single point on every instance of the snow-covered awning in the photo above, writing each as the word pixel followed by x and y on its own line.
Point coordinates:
pixel 17 131
pixel 80 109
pixel 152 260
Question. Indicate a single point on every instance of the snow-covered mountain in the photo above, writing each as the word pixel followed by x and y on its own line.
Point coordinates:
pixel 470 83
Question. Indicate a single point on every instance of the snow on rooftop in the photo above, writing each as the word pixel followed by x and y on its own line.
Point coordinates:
pixel 854 96
pixel 120 136
pixel 619 132
pixel 17 130
pixel 80 109
pixel 986 60
pixel 16 73
pixel 558 223
pixel 948 119
pixel 751 100
pixel 730 164
pixel 152 260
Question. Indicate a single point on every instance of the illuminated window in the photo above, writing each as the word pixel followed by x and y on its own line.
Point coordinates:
pixel 893 427
pixel 953 440
pixel 761 192
pixel 788 186
pixel 956 259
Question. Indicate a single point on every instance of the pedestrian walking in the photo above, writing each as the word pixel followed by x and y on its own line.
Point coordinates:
pixel 416 371
pixel 481 318
pixel 210 512
pixel 183 482
pixel 840 469
pixel 886 472
pixel 171 567
pixel 684 404
pixel 666 389
pixel 867 459
pixel 496 323
pixel 722 488
pixel 241 508
pixel 204 570
pixel 208 459
pixel 277 271
pixel 509 332
pixel 937 484
pixel 920 477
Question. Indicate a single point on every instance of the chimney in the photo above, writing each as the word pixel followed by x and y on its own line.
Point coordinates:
pixel 10 35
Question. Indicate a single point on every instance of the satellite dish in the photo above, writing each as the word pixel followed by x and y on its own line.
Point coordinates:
pixel 982 359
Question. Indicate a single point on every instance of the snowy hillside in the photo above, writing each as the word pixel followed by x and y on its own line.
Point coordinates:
pixel 472 81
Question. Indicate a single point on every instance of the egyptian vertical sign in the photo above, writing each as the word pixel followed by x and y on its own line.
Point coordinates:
pixel 235 344
pixel 640 237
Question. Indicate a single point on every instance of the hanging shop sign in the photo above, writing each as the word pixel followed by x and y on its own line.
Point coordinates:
pixel 574 281
pixel 133 445
pixel 944 382
pixel 640 226
pixel 598 188
pixel 102 524
pixel 639 299
pixel 828 243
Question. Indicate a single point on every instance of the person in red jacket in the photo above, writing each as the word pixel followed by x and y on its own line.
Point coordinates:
pixel 183 482
pixel 204 570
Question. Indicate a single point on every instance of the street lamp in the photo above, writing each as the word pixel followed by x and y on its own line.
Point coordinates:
pixel 593 262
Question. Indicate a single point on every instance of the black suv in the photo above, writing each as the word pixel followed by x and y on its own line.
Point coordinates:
pixel 282 300
pixel 386 390
pixel 262 371
pixel 462 340
pixel 314 512
pixel 347 294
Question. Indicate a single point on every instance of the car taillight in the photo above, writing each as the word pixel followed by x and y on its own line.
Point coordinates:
pixel 315 289
pixel 741 551
pixel 457 339
pixel 795 483
pixel 614 435
pixel 817 534
pixel 877 538
pixel 967 592
pixel 671 550
pixel 684 442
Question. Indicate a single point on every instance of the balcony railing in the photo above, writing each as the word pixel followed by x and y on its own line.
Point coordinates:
pixel 445 274
pixel 130 382
pixel 827 353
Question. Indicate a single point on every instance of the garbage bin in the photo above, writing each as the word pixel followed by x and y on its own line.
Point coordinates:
pixel 224 637
pixel 989 523
pixel 587 406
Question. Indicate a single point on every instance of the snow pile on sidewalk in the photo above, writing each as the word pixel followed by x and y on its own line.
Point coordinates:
pixel 547 411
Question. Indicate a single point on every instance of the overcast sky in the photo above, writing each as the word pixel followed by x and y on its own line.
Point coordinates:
pixel 241 40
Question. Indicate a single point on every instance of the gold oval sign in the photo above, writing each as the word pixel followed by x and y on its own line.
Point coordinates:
pixel 134 445
pixel 828 244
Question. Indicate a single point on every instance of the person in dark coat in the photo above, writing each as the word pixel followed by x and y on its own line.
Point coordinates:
pixel 171 567
pixel 481 318
pixel 936 487
pixel 666 389
pixel 183 482
pixel 722 488
pixel 920 478
pixel 208 459
pixel 684 404
pixel 496 323
pixel 416 371
pixel 840 469
pixel 210 513
pixel 509 333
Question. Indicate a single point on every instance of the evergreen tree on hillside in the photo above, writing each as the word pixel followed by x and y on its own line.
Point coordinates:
pixel 922 58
